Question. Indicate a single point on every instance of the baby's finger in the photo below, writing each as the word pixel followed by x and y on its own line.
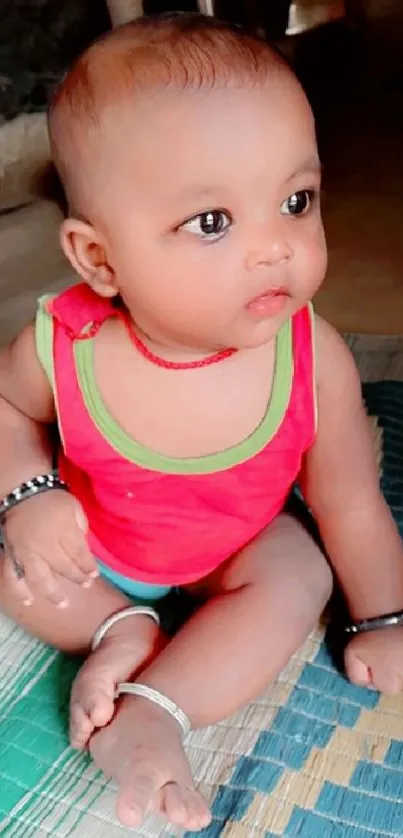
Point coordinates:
pixel 14 576
pixel 357 671
pixel 76 548
pixel 387 680
pixel 63 564
pixel 41 578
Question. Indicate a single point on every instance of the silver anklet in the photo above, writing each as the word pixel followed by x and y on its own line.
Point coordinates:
pixel 160 700
pixel 132 611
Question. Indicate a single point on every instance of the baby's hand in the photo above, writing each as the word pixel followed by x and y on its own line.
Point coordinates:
pixel 375 659
pixel 45 538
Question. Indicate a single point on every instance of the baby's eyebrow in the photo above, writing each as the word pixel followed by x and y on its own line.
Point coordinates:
pixel 197 190
pixel 311 166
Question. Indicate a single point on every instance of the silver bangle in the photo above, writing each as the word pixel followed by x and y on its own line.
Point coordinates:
pixel 375 623
pixel 160 700
pixel 132 611
pixel 28 489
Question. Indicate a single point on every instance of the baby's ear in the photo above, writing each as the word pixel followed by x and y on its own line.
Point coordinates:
pixel 86 251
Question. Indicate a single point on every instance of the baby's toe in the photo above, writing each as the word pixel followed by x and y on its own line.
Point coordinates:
pixel 174 804
pixel 137 796
pixel 185 807
pixel 81 727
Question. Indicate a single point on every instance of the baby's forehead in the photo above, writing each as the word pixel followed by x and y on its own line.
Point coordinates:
pixel 151 58
pixel 202 125
pixel 145 56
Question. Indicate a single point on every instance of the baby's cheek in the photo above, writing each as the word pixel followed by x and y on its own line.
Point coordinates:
pixel 321 257
pixel 315 259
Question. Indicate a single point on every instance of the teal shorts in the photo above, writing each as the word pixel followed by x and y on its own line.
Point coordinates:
pixel 135 590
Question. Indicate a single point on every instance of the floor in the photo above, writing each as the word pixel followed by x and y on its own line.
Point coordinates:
pixel 355 82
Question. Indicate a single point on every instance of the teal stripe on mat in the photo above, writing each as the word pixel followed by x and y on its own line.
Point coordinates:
pixel 34 750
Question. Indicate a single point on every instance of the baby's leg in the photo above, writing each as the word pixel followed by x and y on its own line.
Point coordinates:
pixel 128 646
pixel 263 605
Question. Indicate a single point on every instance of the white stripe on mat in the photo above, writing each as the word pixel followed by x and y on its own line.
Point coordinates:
pixel 19 655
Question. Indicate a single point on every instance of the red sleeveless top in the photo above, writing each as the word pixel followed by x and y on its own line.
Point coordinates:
pixel 158 519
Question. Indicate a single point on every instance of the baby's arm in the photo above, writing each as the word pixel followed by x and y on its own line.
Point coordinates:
pixel 341 484
pixel 341 480
pixel 43 532
pixel 26 409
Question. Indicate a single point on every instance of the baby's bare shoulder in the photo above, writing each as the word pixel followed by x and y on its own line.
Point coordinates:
pixel 23 382
pixel 336 371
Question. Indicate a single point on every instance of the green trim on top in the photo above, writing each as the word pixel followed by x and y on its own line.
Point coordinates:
pixel 44 333
pixel 146 458
pixel 44 338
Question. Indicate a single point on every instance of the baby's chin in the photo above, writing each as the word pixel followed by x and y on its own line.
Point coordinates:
pixel 251 335
pixel 246 345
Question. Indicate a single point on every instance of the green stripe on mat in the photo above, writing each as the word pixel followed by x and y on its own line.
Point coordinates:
pixel 98 790
pixel 36 756
pixel 33 669
pixel 26 815
pixel 23 822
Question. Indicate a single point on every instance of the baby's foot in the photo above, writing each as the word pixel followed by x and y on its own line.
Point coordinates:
pixel 125 650
pixel 142 751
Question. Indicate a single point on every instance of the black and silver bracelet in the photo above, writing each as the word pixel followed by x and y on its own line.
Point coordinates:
pixel 35 486
pixel 375 623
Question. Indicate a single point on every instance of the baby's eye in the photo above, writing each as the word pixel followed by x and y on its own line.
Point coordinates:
pixel 299 203
pixel 212 224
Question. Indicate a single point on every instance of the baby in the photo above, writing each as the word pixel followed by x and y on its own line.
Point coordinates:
pixel 193 386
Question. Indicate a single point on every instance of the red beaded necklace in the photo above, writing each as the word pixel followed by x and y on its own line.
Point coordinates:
pixel 175 365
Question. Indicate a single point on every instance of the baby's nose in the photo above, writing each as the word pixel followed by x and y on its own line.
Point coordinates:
pixel 269 245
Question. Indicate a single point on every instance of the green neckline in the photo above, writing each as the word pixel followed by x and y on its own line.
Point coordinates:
pixel 147 458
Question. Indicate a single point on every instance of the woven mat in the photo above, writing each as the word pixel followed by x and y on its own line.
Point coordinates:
pixel 315 757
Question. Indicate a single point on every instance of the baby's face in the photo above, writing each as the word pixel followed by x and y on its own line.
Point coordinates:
pixel 211 206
